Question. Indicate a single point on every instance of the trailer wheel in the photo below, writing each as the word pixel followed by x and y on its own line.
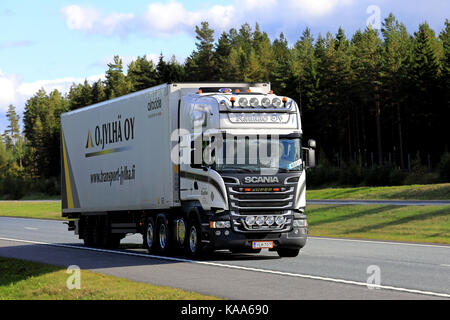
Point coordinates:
pixel 162 236
pixel 288 253
pixel 149 235
pixel 193 240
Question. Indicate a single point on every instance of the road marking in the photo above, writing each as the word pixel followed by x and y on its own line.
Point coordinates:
pixel 445 265
pixel 29 228
pixel 382 242
pixel 296 275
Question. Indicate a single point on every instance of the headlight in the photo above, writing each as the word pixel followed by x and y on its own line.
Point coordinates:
pixel 250 220
pixel 265 102
pixel 300 223
pixel 243 102
pixel 270 220
pixel 254 102
pixel 280 220
pixel 220 224
pixel 260 220
pixel 276 102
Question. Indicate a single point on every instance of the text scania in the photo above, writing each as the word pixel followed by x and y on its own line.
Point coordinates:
pixel 115 131
pixel 261 180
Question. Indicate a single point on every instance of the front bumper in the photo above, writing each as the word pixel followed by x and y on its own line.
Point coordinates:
pixel 217 239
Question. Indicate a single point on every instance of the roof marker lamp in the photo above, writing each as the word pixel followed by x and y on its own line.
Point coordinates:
pixel 233 101
pixel 284 101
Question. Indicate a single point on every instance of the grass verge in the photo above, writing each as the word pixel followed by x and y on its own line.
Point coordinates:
pixel 24 280
pixel 36 210
pixel 413 192
pixel 382 222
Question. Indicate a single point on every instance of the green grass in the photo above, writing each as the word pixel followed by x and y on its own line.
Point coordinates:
pixel 382 222
pixel 36 210
pixel 413 192
pixel 23 280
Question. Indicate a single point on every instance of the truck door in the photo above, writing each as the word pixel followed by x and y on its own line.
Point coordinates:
pixel 196 181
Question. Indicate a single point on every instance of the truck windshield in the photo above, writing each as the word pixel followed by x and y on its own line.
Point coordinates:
pixel 257 154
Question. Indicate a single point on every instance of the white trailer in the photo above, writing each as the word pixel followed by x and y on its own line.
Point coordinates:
pixel 128 166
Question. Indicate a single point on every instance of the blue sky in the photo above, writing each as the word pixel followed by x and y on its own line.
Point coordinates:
pixel 53 43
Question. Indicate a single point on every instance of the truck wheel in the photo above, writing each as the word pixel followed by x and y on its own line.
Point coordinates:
pixel 193 241
pixel 288 253
pixel 149 235
pixel 162 236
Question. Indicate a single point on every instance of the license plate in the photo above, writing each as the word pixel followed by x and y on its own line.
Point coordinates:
pixel 262 244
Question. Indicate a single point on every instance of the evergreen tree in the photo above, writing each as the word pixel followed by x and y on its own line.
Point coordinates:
pixel 116 84
pixel 141 74
pixel 12 133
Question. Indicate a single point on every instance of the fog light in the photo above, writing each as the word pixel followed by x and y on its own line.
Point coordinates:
pixel 250 220
pixel 270 220
pixel 260 220
pixel 218 233
pixel 280 220
pixel 227 233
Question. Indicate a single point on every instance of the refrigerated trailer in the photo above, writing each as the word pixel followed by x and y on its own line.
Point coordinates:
pixel 192 166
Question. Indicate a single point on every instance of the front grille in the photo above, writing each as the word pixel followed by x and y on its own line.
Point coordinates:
pixel 242 200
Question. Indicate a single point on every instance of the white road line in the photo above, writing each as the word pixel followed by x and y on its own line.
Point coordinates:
pixel 445 265
pixel 296 275
pixel 382 242
pixel 29 228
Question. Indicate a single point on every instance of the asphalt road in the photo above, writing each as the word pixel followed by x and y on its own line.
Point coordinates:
pixel 326 268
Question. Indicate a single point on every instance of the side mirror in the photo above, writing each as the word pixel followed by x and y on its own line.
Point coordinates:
pixel 311 154
pixel 311 158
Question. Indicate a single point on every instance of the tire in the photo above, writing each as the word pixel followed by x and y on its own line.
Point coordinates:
pixel 193 240
pixel 163 236
pixel 288 253
pixel 149 235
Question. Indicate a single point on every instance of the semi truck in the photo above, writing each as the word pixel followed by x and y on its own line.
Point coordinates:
pixel 193 167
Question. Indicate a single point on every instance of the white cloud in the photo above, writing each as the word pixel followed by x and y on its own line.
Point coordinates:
pixel 162 19
pixel 92 20
pixel 316 8
pixel 13 90
pixel 172 18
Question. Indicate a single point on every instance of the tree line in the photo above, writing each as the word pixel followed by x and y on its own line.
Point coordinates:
pixel 378 99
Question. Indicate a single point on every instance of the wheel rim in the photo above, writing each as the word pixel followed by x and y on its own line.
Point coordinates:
pixel 150 235
pixel 162 236
pixel 193 239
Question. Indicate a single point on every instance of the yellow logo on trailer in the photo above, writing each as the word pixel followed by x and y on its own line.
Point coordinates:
pixel 89 141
